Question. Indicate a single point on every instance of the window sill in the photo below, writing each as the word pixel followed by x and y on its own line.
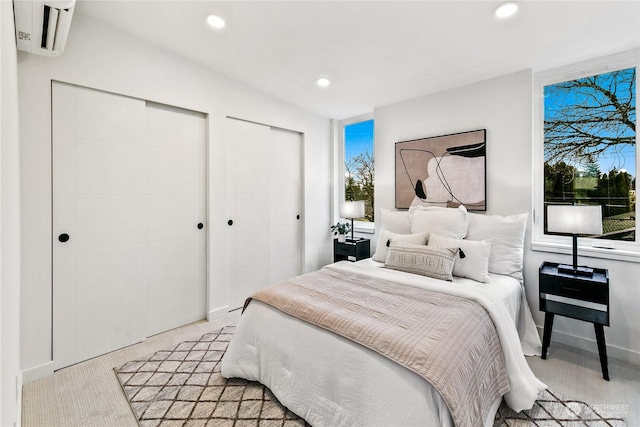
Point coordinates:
pixel 627 255
pixel 366 228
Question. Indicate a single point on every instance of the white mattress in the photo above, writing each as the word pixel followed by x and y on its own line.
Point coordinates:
pixel 331 381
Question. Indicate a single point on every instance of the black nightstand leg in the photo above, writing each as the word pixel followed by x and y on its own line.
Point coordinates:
pixel 602 350
pixel 546 338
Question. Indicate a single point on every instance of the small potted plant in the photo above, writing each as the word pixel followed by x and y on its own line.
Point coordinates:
pixel 341 229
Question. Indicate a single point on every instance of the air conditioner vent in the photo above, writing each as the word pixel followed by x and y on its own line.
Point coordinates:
pixel 42 26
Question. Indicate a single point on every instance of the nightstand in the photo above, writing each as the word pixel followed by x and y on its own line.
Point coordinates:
pixel 351 250
pixel 558 289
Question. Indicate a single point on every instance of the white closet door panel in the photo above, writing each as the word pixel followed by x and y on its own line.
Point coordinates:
pixel 250 139
pixel 250 211
pixel 106 167
pixel 109 220
pixel 170 261
pixel 109 325
pixel 171 171
pixel 172 128
pixel 252 174
pixel 284 269
pixel 251 278
pixel 171 216
pixel 64 197
pixel 109 117
pixel 284 243
pixel 111 272
pixel 171 306
pixel 284 209
pixel 252 248
pixel 285 159
pixel 200 243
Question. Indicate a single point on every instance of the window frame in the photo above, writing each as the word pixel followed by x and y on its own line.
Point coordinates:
pixel 358 226
pixel 596 248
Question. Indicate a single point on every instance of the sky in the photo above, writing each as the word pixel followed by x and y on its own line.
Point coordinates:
pixel 359 138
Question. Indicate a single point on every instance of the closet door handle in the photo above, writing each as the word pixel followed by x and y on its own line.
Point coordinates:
pixel 297 216
pixel 200 226
pixel 230 222
pixel 64 237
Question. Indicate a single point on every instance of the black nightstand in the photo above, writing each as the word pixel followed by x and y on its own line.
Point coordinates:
pixel 351 250
pixel 592 289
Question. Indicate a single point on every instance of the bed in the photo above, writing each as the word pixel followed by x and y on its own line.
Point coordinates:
pixel 331 380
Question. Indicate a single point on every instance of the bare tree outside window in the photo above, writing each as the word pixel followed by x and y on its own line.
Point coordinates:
pixel 590 147
pixel 359 175
pixel 359 170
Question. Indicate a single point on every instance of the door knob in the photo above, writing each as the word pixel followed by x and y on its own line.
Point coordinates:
pixel 64 237
pixel 297 216
pixel 230 222
pixel 200 226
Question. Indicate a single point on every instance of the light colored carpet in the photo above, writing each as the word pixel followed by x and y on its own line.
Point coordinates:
pixel 88 394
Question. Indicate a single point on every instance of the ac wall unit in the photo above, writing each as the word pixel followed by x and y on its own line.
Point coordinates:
pixel 42 26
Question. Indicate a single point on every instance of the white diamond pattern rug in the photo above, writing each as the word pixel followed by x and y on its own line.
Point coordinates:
pixel 183 387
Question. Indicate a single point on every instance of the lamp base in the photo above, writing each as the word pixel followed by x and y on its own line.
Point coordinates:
pixel 577 271
pixel 354 239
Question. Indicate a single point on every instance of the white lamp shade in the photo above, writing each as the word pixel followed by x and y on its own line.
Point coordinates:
pixel 574 219
pixel 352 209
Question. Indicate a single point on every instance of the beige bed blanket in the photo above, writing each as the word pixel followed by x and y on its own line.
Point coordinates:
pixel 448 340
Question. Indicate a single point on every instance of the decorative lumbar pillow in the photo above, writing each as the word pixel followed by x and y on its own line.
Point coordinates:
pixel 446 222
pixel 419 259
pixel 386 236
pixel 506 235
pixel 472 260
pixel 396 221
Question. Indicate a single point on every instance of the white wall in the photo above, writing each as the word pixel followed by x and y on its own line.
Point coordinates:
pixel 503 106
pixel 100 57
pixel 10 377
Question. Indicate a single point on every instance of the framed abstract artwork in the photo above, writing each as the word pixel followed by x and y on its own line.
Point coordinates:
pixel 447 171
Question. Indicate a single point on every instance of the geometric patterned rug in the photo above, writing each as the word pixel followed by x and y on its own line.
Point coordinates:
pixel 182 386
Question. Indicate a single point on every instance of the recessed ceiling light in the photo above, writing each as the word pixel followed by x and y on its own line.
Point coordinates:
pixel 215 21
pixel 323 82
pixel 506 9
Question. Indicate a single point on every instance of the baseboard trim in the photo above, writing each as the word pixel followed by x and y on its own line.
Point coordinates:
pixel 37 373
pixel 591 346
pixel 218 313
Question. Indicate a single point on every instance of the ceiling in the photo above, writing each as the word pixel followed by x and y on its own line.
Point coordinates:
pixel 374 52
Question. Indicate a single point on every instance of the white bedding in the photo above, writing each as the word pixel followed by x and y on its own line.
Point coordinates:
pixel 331 381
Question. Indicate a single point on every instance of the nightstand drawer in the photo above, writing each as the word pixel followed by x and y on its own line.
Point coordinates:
pixel 570 288
pixel 345 249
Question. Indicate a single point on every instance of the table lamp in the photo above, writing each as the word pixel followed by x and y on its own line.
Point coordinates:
pixel 574 220
pixel 350 210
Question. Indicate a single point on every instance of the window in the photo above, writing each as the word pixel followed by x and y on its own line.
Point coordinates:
pixel 358 163
pixel 586 151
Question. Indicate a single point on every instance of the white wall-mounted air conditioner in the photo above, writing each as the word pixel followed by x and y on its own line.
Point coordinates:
pixel 42 26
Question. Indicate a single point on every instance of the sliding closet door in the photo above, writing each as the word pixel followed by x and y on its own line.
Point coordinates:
pixel 128 193
pixel 285 216
pixel 264 205
pixel 176 246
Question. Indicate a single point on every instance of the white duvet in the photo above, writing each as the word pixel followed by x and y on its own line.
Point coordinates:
pixel 331 381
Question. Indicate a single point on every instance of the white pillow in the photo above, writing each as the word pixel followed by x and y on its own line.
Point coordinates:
pixel 386 235
pixel 396 221
pixel 419 259
pixel 506 235
pixel 473 259
pixel 447 222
